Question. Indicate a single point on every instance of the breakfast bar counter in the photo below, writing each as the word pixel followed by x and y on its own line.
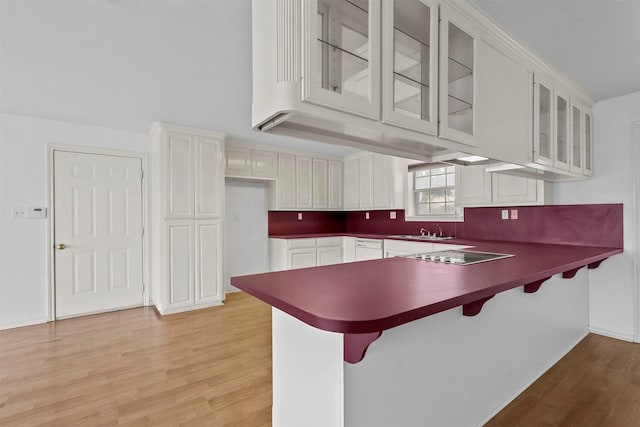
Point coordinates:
pixel 408 342
pixel 372 296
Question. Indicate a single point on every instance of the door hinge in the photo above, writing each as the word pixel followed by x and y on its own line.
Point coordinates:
pixel 142 288
pixel 142 231
pixel 141 174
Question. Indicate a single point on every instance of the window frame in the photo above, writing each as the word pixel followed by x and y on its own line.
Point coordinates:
pixel 411 208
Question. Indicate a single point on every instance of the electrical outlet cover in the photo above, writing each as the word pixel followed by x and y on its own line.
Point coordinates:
pixel 505 214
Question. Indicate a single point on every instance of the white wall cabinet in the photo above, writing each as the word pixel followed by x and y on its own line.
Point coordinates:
pixel 475 187
pixel 287 254
pixel 451 82
pixel 374 181
pixel 187 214
pixel 246 162
pixel 305 183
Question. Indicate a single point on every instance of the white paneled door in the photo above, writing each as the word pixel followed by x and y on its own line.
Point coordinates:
pixel 97 233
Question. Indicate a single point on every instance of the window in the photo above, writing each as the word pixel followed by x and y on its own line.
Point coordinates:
pixel 432 192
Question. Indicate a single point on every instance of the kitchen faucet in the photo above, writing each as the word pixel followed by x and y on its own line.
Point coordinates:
pixel 439 228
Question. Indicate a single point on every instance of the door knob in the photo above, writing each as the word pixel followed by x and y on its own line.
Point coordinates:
pixel 61 246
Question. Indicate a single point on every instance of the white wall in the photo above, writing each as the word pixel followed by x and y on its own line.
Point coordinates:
pixel 610 286
pixel 23 166
pixel 246 235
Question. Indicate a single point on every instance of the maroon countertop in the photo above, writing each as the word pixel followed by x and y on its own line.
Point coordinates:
pixel 453 241
pixel 372 296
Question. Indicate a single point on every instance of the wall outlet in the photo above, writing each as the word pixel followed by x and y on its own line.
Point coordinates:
pixel 392 215
pixel 366 215
pixel 505 214
pixel 514 213
pixel 299 216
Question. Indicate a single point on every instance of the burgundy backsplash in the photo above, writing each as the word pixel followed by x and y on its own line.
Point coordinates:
pixel 285 222
pixel 379 223
pixel 592 225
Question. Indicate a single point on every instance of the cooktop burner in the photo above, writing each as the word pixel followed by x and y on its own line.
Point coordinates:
pixel 458 257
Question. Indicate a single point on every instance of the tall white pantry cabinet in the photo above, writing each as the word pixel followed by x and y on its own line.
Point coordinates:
pixel 187 210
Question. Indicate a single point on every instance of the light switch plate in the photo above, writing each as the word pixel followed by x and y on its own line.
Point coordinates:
pixel 392 215
pixel 514 213
pixel 299 216
pixel 366 215
pixel 505 214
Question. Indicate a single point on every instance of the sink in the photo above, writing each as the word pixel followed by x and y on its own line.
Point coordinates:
pixel 420 237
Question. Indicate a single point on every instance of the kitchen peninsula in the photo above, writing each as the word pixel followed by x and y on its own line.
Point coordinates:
pixel 445 344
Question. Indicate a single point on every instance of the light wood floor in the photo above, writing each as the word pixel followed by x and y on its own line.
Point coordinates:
pixel 209 367
pixel 213 368
pixel 595 384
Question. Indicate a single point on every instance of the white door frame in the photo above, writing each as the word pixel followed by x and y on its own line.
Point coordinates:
pixel 146 243
pixel 635 150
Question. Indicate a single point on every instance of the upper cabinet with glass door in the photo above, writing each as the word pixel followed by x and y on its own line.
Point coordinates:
pixel 341 66
pixel 457 79
pixel 543 122
pixel 410 70
pixel 587 152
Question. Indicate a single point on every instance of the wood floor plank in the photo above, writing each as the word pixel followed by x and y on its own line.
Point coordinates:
pixel 134 367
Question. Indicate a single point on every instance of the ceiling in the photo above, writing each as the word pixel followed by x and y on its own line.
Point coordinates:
pixel 596 42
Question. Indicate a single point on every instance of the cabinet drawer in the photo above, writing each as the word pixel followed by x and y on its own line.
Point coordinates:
pixel 329 241
pixel 301 243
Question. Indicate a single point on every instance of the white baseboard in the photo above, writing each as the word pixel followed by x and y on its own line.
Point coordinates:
pixel 4 326
pixel 555 360
pixel 164 311
pixel 611 334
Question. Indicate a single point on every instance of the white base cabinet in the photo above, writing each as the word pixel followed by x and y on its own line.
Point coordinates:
pixel 187 202
pixel 288 254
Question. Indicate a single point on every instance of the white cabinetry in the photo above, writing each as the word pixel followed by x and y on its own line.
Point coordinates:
pixel 304 182
pixel 286 188
pixel 287 254
pixel 374 181
pixel 475 187
pixel 187 205
pixel 422 79
pixel 245 162
pixel 562 135
pixel 334 184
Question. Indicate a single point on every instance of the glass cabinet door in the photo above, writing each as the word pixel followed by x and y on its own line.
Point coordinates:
pixel 576 139
pixel 410 49
pixel 562 142
pixel 543 122
pixel 342 55
pixel 457 117
pixel 587 168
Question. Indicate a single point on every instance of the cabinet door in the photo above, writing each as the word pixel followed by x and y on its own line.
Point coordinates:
pixel 562 131
pixel 457 77
pixel 410 72
pixel 180 262
pixel 514 190
pixel 335 184
pixel 302 258
pixel 237 161
pixel 382 180
pixel 473 186
pixel 286 181
pixel 208 262
pixel 264 164
pixel 209 179
pixel 365 181
pixel 341 61
pixel 587 168
pixel 179 176
pixel 577 139
pixel 304 179
pixel 329 255
pixel 543 121
pixel 351 184
pixel 320 184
